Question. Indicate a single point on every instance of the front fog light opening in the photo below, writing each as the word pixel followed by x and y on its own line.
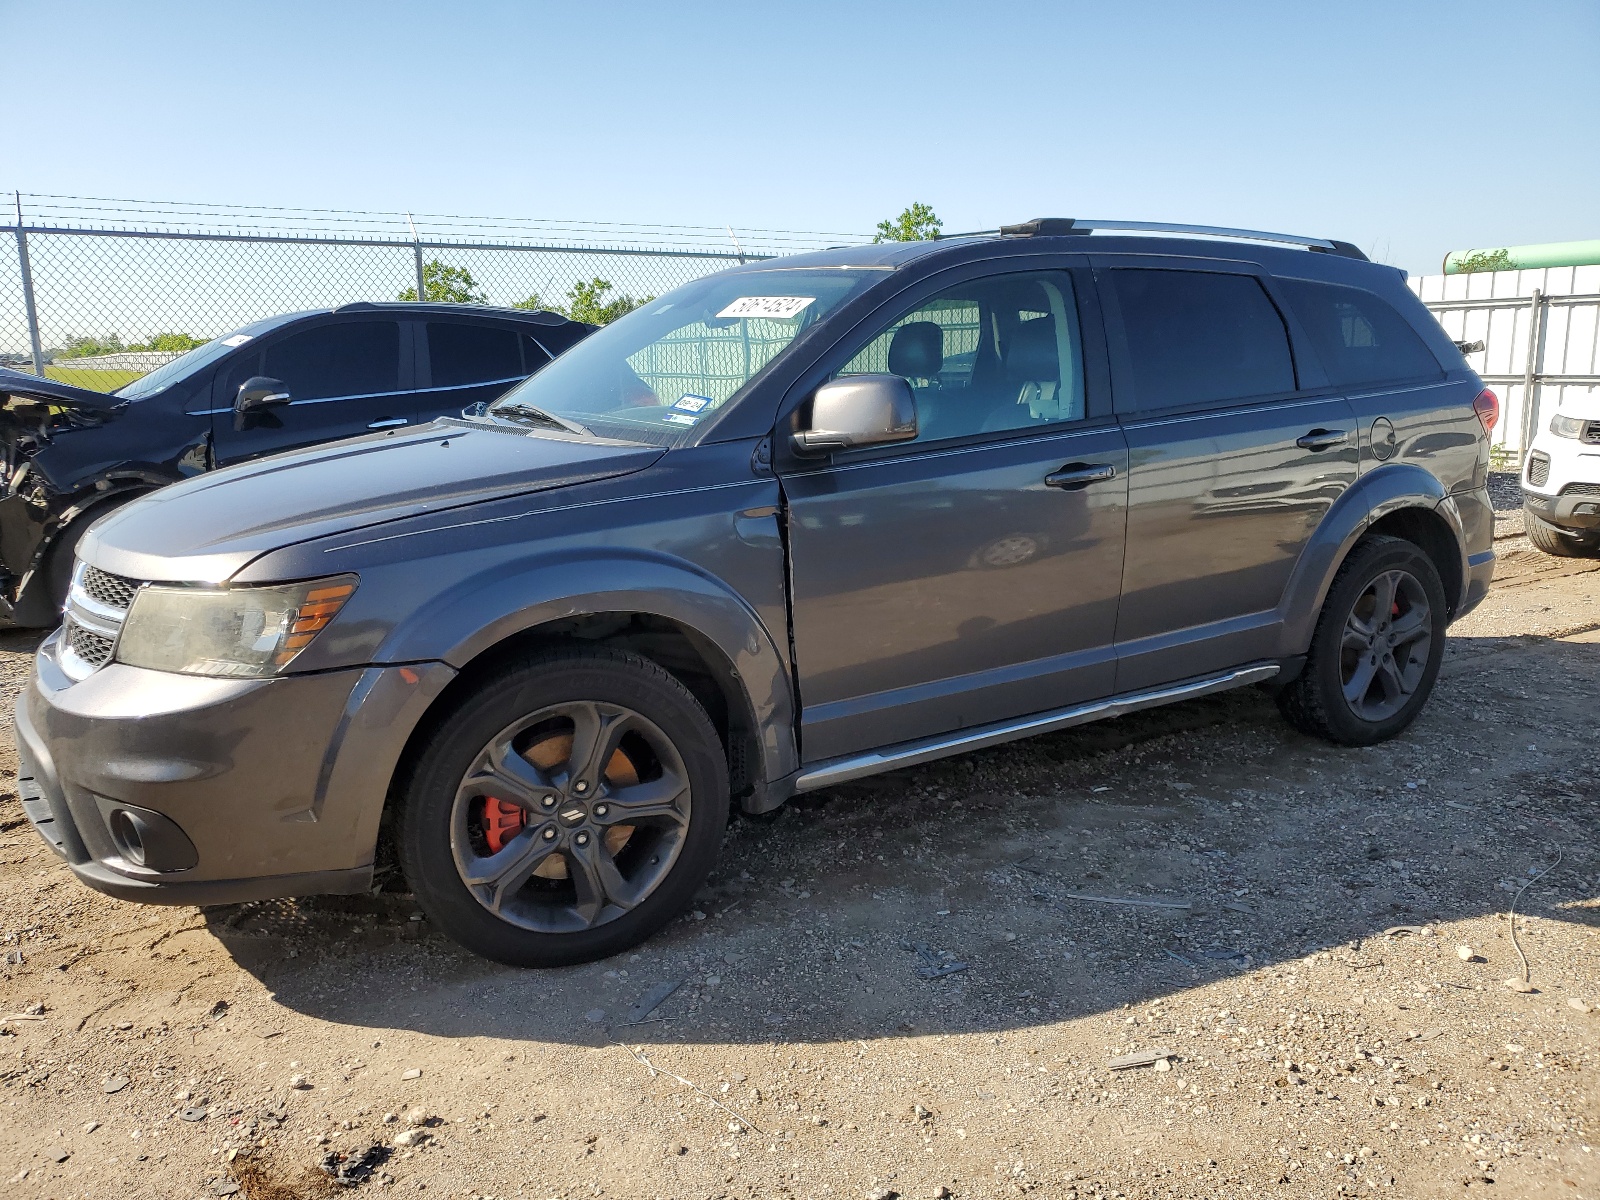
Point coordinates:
pixel 127 837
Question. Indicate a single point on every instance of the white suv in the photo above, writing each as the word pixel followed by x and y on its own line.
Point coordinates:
pixel 1561 481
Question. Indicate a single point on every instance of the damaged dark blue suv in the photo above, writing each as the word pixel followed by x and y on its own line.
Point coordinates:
pixel 786 526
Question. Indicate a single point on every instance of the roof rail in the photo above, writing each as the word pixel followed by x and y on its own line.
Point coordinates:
pixel 1058 226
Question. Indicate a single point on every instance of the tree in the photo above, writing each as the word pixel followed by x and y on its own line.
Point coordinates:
pixel 443 284
pixel 915 224
pixel 586 302
pixel 89 347
pixel 1485 260
pixel 171 342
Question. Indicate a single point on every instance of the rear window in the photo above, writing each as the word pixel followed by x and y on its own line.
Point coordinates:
pixel 1359 337
pixel 462 353
pixel 1199 339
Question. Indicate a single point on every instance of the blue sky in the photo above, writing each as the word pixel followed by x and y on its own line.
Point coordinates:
pixel 1410 128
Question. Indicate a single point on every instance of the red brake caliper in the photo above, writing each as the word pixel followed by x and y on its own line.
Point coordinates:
pixel 501 823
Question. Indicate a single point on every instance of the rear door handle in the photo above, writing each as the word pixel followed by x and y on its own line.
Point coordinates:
pixel 389 424
pixel 1322 439
pixel 1076 475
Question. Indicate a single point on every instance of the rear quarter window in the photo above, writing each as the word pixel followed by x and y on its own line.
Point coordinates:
pixel 463 353
pixel 1199 339
pixel 1359 337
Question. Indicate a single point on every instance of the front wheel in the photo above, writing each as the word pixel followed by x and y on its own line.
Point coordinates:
pixel 566 810
pixel 1559 542
pixel 1377 648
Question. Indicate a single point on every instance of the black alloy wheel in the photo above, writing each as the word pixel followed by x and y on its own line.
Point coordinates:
pixel 566 810
pixel 1376 651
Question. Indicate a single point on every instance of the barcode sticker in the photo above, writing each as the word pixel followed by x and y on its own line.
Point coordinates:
pixel 778 308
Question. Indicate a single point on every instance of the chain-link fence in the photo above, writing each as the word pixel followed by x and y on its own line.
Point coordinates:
pixel 95 292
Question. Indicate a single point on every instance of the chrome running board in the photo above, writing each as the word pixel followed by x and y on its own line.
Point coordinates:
pixel 909 754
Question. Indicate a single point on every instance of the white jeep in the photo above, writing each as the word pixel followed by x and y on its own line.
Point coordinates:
pixel 1561 481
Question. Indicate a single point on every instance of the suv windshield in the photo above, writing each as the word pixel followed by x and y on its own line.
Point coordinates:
pixel 655 374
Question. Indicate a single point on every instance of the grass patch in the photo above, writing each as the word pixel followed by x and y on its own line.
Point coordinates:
pixel 94 381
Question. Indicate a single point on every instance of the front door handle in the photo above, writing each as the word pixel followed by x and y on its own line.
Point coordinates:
pixel 1077 475
pixel 1322 439
pixel 388 424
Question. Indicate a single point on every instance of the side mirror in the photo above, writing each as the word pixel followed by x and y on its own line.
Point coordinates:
pixel 859 410
pixel 259 392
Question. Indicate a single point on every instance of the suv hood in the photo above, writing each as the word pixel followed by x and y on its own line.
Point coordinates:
pixel 31 387
pixel 205 529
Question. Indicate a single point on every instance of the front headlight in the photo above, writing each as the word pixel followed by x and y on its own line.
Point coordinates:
pixel 1569 427
pixel 250 631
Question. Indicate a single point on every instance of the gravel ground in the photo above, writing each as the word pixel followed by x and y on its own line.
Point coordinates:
pixel 1318 961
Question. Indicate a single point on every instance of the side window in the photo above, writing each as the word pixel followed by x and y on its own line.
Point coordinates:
pixel 1359 337
pixel 1198 338
pixel 462 353
pixel 351 358
pixel 993 354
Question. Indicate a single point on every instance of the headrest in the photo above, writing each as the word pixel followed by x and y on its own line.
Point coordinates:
pixel 1032 356
pixel 917 350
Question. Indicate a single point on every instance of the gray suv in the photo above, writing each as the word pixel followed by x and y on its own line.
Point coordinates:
pixel 786 526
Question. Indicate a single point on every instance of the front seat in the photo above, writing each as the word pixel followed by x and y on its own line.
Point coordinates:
pixel 916 354
pixel 1033 378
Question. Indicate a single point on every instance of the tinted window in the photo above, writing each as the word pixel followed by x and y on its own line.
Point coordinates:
pixel 1359 338
pixel 1198 338
pixel 460 353
pixel 350 359
pixel 533 355
pixel 993 354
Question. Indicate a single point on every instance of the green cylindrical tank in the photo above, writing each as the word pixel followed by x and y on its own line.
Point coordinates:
pixel 1518 258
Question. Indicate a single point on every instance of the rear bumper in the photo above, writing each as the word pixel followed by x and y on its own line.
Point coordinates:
pixel 244 789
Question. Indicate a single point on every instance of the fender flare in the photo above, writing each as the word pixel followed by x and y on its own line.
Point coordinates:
pixel 1375 495
pixel 485 609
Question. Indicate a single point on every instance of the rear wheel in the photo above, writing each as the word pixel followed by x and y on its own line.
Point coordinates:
pixel 566 810
pixel 1377 647
pixel 1559 542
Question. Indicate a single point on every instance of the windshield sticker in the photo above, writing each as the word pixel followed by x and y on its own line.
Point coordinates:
pixel 777 308
pixel 237 339
pixel 690 403
pixel 678 418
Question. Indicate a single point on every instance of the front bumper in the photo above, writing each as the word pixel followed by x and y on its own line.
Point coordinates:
pixel 1576 511
pixel 273 787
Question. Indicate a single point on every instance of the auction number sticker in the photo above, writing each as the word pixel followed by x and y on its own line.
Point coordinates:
pixel 689 409
pixel 777 308
pixel 237 339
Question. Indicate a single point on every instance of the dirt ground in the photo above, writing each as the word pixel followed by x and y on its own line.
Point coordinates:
pixel 1321 951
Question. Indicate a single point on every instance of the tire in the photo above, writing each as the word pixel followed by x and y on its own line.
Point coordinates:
pixel 529 859
pixel 1552 540
pixel 1390 680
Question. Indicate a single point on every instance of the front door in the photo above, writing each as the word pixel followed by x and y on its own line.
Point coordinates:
pixel 344 377
pixel 1235 459
pixel 972 574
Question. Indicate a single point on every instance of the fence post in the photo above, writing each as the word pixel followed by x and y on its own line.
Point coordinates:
pixel 27 294
pixel 416 254
pixel 1530 374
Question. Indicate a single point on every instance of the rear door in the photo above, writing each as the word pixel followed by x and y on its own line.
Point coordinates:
pixel 1235 457
pixel 463 362
pixel 346 376
pixel 972 574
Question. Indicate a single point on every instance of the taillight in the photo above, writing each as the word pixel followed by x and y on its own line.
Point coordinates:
pixel 1487 406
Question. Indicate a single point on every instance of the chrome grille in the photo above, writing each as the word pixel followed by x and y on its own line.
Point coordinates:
pixel 97 604
pixel 1538 469
pixel 107 588
pixel 89 646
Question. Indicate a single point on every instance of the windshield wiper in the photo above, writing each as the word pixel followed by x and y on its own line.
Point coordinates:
pixel 538 416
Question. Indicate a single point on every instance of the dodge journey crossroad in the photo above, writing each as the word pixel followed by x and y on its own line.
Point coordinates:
pixel 788 525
